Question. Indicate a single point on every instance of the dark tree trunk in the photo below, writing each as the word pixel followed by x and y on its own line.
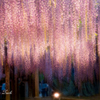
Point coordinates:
pixel 7 73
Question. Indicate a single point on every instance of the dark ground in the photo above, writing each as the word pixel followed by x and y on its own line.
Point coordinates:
pixel 96 97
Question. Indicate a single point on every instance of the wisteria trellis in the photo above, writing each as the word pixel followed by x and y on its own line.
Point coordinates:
pixel 51 35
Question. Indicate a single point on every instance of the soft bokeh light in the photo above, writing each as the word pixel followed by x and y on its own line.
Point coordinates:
pixel 56 95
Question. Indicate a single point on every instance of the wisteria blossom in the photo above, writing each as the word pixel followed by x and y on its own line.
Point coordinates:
pixel 67 27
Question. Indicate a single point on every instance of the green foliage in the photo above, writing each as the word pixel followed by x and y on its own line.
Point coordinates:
pixel 41 77
pixel 79 27
pixel 96 34
pixel 71 88
pixel 90 88
pixel 65 86
pixel 55 83
pixel 84 90
pixel 80 23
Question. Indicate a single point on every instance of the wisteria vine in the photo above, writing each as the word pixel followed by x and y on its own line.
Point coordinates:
pixel 50 35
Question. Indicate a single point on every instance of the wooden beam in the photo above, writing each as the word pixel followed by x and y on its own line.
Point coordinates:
pixel 36 83
pixel 99 74
pixel 30 85
pixel 16 85
pixel 33 85
pixel 7 73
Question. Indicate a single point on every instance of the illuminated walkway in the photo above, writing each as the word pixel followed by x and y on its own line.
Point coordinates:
pixel 97 97
pixel 70 98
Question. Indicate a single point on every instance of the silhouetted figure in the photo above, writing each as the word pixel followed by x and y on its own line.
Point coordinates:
pixel 21 88
pixel 3 87
pixel 44 89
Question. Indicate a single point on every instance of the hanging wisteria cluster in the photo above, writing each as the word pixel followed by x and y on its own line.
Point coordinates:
pixel 50 35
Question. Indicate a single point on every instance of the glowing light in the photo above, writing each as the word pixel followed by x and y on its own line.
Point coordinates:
pixel 56 95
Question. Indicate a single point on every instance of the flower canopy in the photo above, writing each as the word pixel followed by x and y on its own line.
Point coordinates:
pixel 51 35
